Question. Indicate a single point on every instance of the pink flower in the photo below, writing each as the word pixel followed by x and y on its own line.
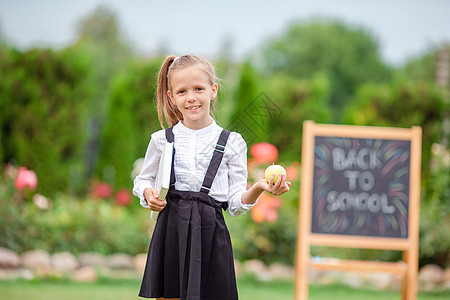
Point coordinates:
pixel 271 215
pixel 102 190
pixel 123 197
pixel 264 153
pixel 274 202
pixel 26 179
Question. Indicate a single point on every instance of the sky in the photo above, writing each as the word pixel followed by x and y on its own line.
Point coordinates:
pixel 404 28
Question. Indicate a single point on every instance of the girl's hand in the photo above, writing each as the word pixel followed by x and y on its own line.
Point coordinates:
pixel 278 188
pixel 154 203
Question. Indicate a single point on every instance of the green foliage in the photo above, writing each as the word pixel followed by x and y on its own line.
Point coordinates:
pixel 100 39
pixel 223 106
pixel 435 211
pixel 71 225
pixel 421 68
pixel 43 94
pixel 402 104
pixel 247 89
pixel 131 119
pixel 103 45
pixel 299 100
pixel 54 103
pixel 270 242
pixel 245 99
pixel 348 56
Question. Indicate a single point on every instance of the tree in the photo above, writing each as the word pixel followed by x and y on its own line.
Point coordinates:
pixel 424 67
pixel 298 100
pixel 401 104
pixel 246 100
pixel 100 39
pixel 347 55
pixel 130 120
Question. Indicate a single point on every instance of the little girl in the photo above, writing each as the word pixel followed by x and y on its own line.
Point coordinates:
pixel 190 255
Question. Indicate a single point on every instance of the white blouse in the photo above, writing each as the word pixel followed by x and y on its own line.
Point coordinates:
pixel 193 152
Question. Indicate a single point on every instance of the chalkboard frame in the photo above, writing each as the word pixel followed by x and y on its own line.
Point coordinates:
pixel 306 238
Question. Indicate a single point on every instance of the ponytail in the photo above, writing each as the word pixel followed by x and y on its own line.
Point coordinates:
pixel 166 109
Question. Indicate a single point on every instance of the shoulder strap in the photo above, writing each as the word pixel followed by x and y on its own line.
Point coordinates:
pixel 169 134
pixel 171 138
pixel 214 164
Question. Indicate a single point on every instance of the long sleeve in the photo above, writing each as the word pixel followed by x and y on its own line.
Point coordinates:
pixel 147 175
pixel 237 175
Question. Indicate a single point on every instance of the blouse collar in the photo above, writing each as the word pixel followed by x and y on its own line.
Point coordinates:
pixel 203 131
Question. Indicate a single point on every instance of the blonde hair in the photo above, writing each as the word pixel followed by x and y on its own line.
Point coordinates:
pixel 166 109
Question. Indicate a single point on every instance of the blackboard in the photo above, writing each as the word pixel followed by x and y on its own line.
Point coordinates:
pixel 361 187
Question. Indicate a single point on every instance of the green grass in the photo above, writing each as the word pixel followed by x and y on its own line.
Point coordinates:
pixel 249 289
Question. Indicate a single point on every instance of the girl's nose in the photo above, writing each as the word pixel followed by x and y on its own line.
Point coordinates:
pixel 191 96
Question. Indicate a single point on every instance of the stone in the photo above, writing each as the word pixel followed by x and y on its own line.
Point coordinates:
pixel 258 268
pixel 446 279
pixel 330 277
pixel 139 262
pixel 430 276
pixel 314 275
pixel 254 266
pixel 64 262
pixel 431 273
pixel 397 282
pixel 283 272
pixel 13 274
pixel 26 274
pixel 36 260
pixel 380 281
pixel 84 274
pixel 354 280
pixel 446 275
pixel 91 259
pixel 120 261
pixel 9 259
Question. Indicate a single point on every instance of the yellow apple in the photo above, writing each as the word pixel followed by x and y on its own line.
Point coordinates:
pixel 276 170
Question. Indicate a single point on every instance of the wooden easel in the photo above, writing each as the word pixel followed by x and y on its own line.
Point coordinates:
pixel 408 267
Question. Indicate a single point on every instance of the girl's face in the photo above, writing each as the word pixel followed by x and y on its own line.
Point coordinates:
pixel 191 91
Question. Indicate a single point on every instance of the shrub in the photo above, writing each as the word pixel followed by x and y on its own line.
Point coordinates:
pixel 71 225
pixel 41 112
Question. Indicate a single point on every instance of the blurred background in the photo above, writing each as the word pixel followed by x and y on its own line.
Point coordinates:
pixel 77 89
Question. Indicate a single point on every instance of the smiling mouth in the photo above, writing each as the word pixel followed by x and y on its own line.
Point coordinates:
pixel 193 107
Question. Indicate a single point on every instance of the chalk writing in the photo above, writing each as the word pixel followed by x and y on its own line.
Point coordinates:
pixel 361 186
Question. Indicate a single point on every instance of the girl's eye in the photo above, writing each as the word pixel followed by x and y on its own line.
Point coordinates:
pixel 199 89
pixel 181 92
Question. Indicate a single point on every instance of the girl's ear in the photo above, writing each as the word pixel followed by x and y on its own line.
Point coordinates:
pixel 170 97
pixel 215 89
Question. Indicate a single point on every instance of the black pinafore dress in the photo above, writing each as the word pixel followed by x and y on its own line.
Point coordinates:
pixel 190 255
